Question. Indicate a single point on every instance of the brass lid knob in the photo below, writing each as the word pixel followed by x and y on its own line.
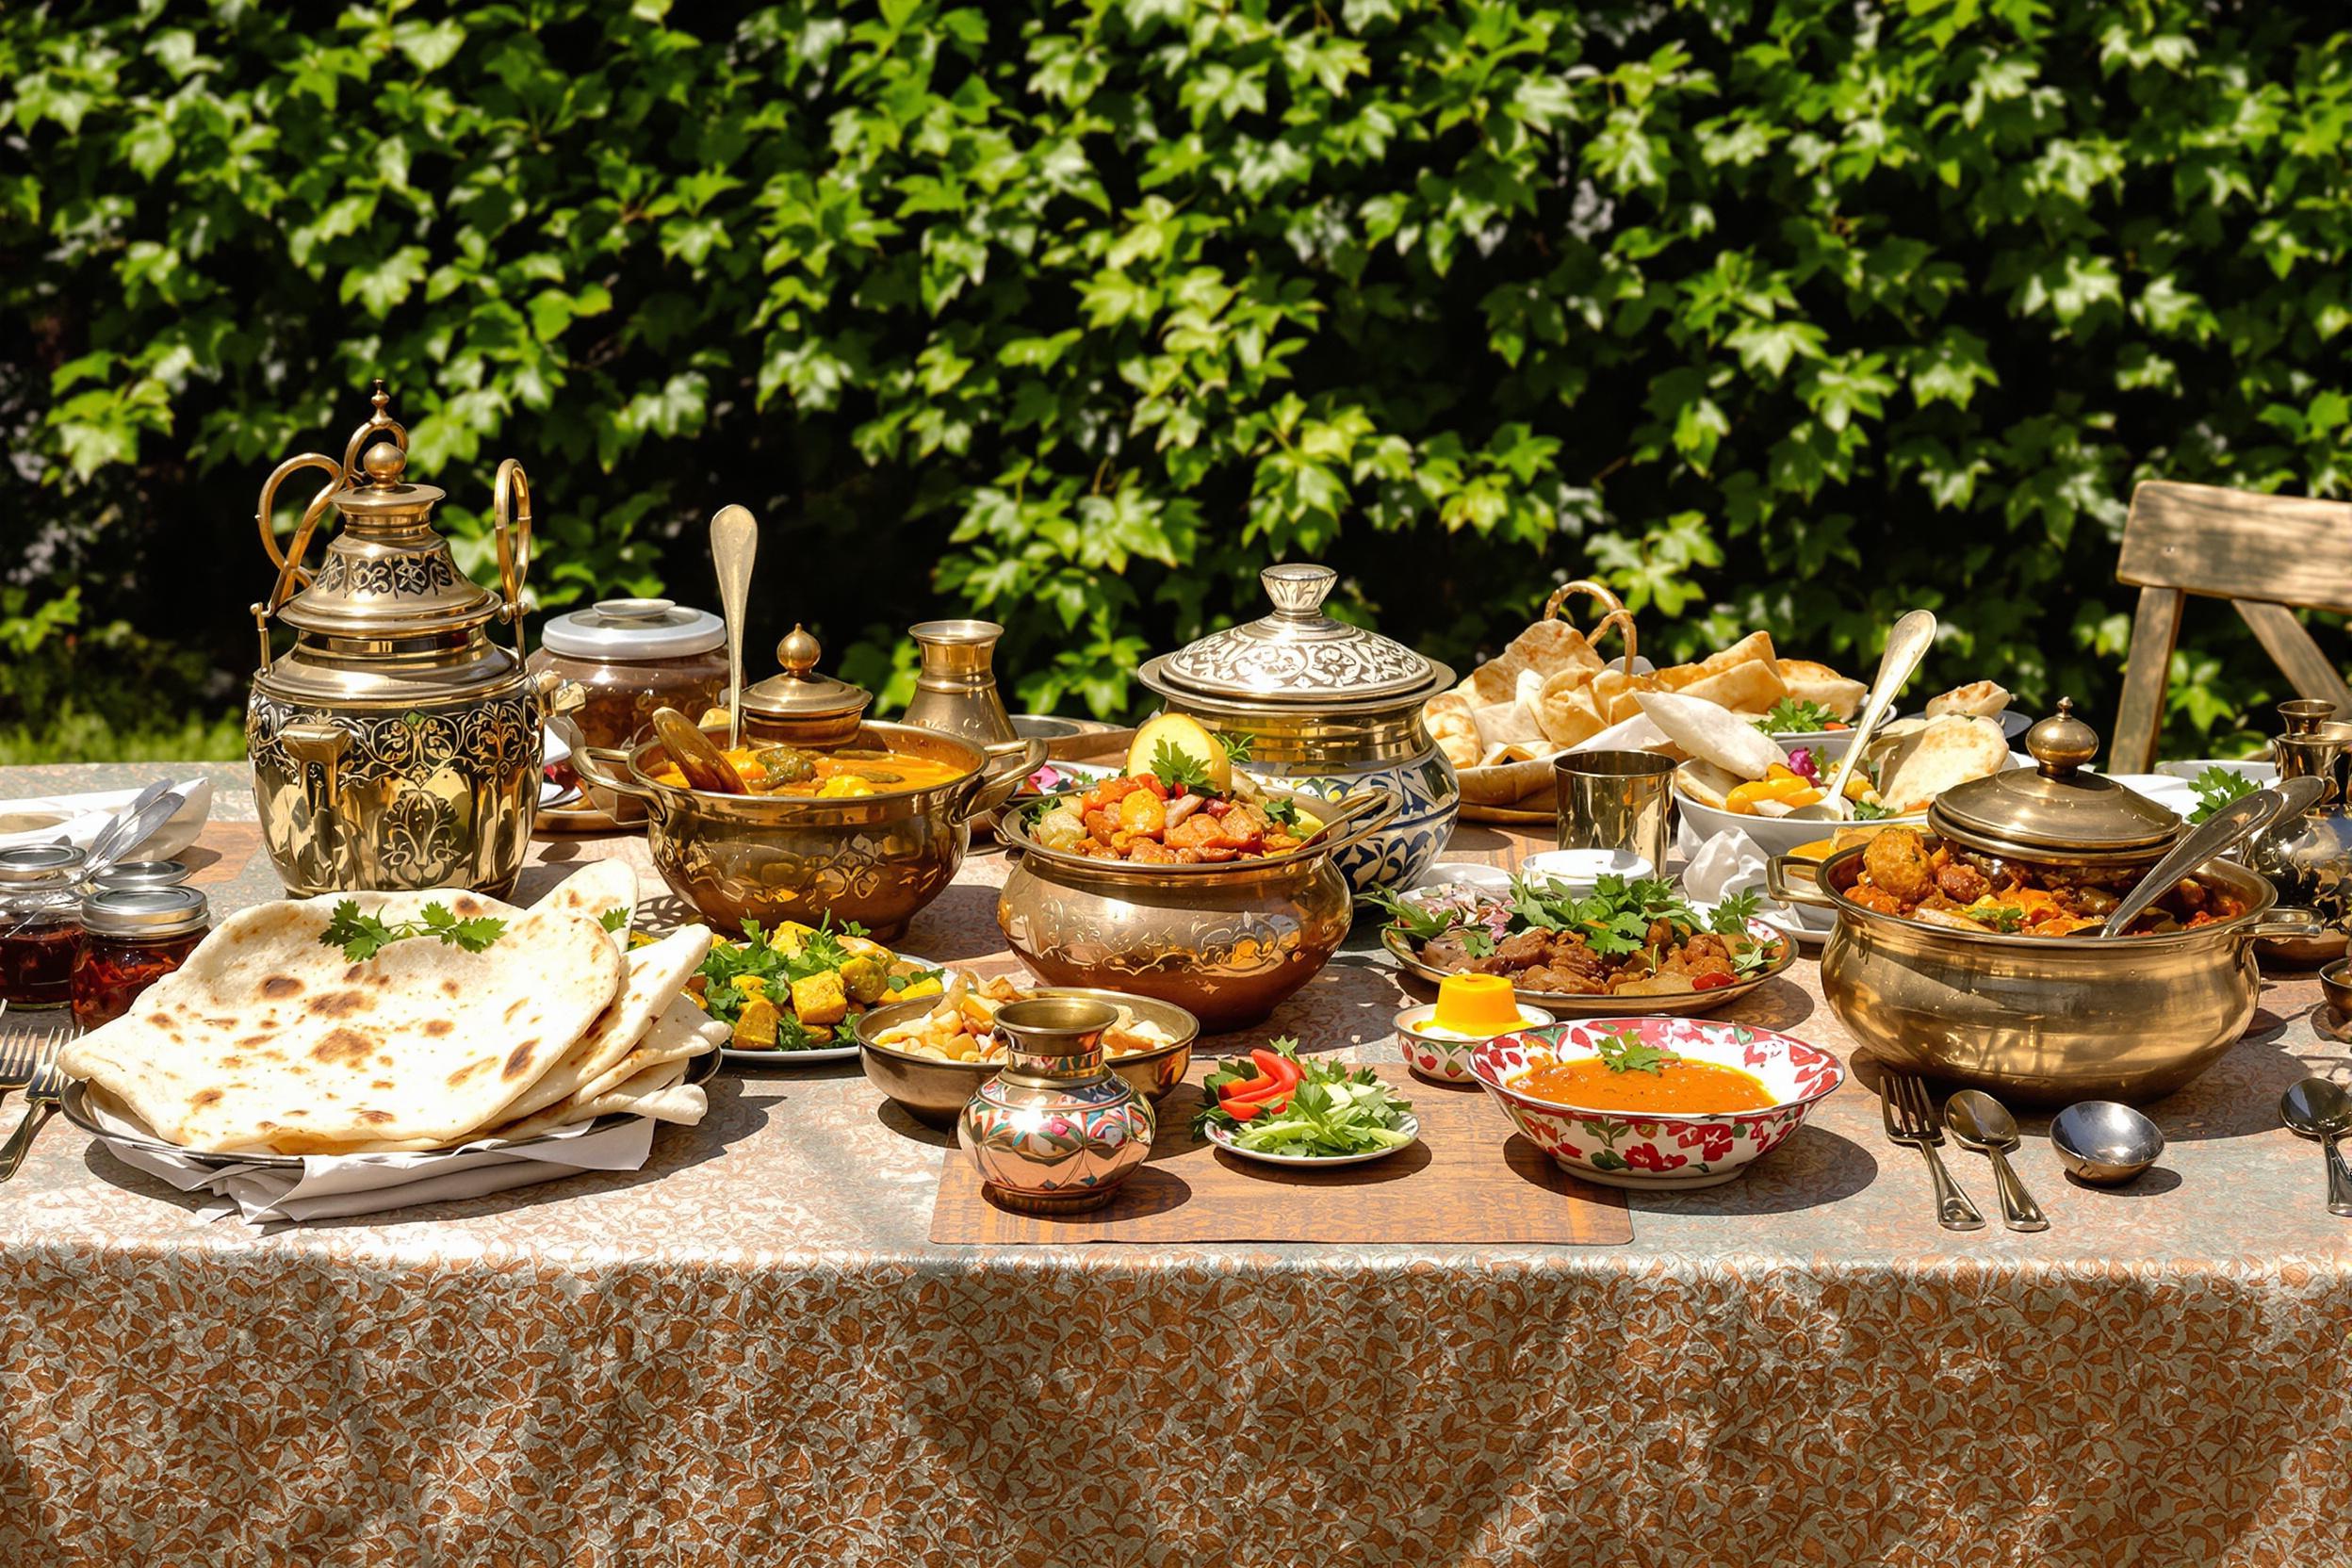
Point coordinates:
pixel 2062 743
pixel 798 652
pixel 383 462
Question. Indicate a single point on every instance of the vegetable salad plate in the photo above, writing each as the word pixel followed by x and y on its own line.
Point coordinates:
pixel 1666 1103
pixel 1229 1140
pixel 1278 1107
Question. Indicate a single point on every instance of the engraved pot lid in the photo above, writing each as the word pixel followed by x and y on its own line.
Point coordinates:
pixel 1297 657
pixel 811 709
pixel 635 631
pixel 2054 809
pixel 386 572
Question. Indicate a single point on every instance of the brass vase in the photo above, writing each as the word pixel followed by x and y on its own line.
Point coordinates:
pixel 1056 1130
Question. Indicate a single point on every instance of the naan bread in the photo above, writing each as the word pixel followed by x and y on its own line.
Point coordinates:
pixel 659 1092
pixel 1545 647
pixel 1755 647
pixel 1453 727
pixel 1712 734
pixel 1822 687
pixel 1983 698
pixel 594 892
pixel 654 976
pixel 268 1038
pixel 1752 687
pixel 1948 751
pixel 683 1030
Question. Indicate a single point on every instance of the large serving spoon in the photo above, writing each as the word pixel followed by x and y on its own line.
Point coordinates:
pixel 2228 827
pixel 734 540
pixel 700 762
pixel 1907 644
pixel 1983 1123
pixel 2317 1108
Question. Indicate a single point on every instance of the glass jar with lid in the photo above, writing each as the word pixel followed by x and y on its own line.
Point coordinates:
pixel 40 923
pixel 139 874
pixel 630 657
pixel 132 938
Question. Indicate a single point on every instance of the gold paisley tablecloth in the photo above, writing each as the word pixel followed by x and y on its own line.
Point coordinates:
pixel 750 1352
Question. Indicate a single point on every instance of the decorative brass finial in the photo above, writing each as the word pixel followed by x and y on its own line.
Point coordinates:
pixel 798 652
pixel 2062 743
pixel 383 462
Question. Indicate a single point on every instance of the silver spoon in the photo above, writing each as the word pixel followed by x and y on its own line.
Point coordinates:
pixel 1983 1123
pixel 134 828
pixel 2316 1108
pixel 108 841
pixel 2104 1143
pixel 1907 644
pixel 734 540
pixel 2224 831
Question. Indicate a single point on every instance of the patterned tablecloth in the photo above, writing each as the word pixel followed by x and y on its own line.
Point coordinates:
pixel 751 1353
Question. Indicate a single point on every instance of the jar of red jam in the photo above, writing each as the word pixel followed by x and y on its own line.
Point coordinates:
pixel 40 923
pixel 132 938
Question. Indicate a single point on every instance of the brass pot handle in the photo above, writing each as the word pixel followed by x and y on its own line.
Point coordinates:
pixel 510 504
pixel 585 762
pixel 2291 920
pixel 1009 763
pixel 289 562
pixel 1779 873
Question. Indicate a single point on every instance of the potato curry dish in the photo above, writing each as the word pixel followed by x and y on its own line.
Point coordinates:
pixel 824 774
pixel 1905 873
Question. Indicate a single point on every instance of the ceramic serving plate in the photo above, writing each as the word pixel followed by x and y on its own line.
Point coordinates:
pixel 1565 1005
pixel 1668 1153
pixel 1223 1137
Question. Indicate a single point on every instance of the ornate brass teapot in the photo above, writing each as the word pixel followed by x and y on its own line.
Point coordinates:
pixel 394 744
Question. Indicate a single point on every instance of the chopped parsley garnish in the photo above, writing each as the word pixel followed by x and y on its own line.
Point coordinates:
pixel 2216 788
pixel 1179 770
pixel 1791 717
pixel 361 937
pixel 1624 1051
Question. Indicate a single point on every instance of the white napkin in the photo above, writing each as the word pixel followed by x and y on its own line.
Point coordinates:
pixel 332 1186
pixel 1634 734
pixel 1713 869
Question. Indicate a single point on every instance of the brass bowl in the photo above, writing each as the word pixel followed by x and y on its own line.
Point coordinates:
pixel 2040 1019
pixel 1227 941
pixel 877 860
pixel 935 1091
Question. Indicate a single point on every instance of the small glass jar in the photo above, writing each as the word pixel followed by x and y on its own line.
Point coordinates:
pixel 40 923
pixel 128 875
pixel 632 656
pixel 132 938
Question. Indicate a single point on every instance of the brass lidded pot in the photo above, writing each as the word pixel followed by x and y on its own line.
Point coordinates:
pixel 393 746
pixel 2044 1020
pixel 1325 708
pixel 799 706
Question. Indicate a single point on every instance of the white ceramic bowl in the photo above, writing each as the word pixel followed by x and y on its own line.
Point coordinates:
pixel 1447 1057
pixel 1471 874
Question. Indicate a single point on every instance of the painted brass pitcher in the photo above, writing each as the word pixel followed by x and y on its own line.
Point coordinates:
pixel 394 744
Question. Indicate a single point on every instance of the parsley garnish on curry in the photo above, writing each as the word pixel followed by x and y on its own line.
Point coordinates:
pixel 1638 938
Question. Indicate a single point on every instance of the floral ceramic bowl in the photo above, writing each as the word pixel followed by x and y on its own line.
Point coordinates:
pixel 1663 1152
pixel 1442 1055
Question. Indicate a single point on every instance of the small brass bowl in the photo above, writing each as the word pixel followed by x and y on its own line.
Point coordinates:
pixel 935 1091
pixel 2335 983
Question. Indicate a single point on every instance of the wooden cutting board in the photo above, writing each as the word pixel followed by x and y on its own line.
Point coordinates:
pixel 1470 1181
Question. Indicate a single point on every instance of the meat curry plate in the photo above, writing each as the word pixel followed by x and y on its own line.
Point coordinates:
pixel 1913 876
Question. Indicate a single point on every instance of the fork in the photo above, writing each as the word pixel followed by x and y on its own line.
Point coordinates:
pixel 40 1098
pixel 1910 1116
pixel 17 1054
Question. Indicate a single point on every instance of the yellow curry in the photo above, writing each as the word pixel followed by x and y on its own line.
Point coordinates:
pixel 825 775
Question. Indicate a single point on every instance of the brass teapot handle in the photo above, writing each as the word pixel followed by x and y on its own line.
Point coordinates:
pixel 509 503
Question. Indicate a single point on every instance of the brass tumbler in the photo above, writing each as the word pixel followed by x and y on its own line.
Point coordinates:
pixel 1615 800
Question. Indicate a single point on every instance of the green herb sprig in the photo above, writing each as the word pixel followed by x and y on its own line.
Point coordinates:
pixel 1626 1051
pixel 1790 716
pixel 2216 788
pixel 361 937
pixel 1178 770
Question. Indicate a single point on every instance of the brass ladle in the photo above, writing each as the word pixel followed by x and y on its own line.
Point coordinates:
pixel 699 761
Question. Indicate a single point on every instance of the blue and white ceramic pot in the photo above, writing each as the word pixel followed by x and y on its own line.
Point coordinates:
pixel 1327 707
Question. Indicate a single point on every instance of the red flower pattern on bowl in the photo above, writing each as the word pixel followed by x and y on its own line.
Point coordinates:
pixel 1662 1153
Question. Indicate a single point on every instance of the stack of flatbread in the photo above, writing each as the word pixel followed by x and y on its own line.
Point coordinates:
pixel 1550 692
pixel 268 1040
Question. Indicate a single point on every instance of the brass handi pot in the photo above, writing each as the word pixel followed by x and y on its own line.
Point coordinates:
pixel 2037 1018
pixel 1228 942
pixel 877 860
pixel 394 744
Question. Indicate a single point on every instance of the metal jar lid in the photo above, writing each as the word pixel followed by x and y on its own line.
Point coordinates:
pixel 802 706
pixel 1298 656
pixel 146 912
pixel 634 630
pixel 2055 812
pixel 140 873
pixel 38 867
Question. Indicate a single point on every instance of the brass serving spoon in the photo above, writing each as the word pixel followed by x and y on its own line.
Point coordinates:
pixel 699 761
pixel 734 540
pixel 1907 644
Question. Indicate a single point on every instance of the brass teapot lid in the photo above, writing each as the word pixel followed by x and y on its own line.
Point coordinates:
pixel 2055 810
pixel 1298 656
pixel 801 707
pixel 385 573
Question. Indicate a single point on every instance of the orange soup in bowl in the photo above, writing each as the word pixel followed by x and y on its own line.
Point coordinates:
pixel 1674 1087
